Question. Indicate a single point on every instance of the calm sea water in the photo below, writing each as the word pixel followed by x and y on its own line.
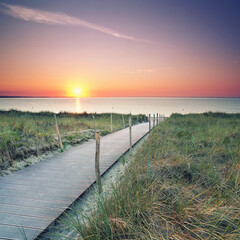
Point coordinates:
pixel 161 105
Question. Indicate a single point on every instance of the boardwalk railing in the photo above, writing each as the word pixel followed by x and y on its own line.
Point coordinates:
pixel 154 120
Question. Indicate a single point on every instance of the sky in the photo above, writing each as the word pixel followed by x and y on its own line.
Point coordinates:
pixel 127 48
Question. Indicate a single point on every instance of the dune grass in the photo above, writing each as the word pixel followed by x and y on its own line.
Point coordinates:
pixel 184 183
pixel 25 134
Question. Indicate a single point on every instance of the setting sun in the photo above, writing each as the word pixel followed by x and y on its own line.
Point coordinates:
pixel 77 92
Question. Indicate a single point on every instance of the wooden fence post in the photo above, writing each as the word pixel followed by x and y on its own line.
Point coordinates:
pixel 111 122
pixel 8 156
pixel 157 119
pixel 94 125
pixel 58 133
pixel 37 145
pixel 130 134
pixel 123 121
pixel 97 157
pixel 149 120
pixel 154 120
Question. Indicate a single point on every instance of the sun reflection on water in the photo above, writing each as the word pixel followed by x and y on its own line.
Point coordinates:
pixel 78 106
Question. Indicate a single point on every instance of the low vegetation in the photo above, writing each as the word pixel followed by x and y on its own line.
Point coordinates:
pixel 184 183
pixel 25 134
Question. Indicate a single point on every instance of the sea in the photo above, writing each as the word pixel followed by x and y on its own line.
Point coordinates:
pixel 136 105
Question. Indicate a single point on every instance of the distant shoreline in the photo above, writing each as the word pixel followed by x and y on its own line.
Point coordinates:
pixel 113 97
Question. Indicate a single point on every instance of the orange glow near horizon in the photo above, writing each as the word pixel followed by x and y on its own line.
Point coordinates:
pixel 189 77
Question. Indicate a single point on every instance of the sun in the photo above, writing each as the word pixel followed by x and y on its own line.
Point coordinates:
pixel 77 92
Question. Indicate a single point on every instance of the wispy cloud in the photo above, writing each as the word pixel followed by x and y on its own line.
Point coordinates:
pixel 46 17
pixel 146 70
pixel 149 70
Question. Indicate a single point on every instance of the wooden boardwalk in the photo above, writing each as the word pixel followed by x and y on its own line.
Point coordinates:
pixel 32 198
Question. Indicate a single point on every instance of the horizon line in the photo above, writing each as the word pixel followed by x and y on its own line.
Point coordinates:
pixel 120 97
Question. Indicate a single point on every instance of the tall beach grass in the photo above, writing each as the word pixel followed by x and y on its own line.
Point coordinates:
pixel 184 183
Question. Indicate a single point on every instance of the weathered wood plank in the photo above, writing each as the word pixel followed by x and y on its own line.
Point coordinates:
pixel 24 221
pixel 14 233
pixel 23 210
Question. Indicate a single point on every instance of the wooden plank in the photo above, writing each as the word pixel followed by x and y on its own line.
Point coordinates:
pixel 23 210
pixel 32 202
pixel 45 183
pixel 34 196
pixel 24 221
pixel 13 232
pixel 41 193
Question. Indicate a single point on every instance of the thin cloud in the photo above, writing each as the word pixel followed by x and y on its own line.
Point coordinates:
pixel 146 70
pixel 45 17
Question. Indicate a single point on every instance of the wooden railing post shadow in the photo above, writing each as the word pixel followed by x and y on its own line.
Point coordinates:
pixel 58 133
pixel 97 157
pixel 130 134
